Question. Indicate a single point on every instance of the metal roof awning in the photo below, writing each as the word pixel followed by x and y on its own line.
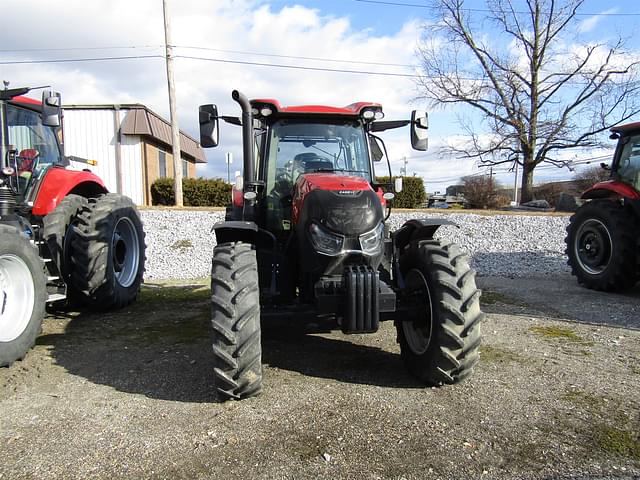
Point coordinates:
pixel 142 121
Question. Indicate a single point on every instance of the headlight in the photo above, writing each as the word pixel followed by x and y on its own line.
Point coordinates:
pixel 324 241
pixel 371 242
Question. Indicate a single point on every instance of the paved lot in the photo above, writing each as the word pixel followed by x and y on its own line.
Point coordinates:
pixel 128 394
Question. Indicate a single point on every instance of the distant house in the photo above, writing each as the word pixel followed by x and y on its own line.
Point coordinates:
pixel 131 144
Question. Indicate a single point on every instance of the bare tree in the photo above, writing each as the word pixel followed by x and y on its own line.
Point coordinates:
pixel 590 176
pixel 533 92
pixel 481 191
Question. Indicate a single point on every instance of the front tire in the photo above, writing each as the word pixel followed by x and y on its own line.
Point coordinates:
pixel 440 337
pixel 601 246
pixel 235 321
pixel 108 252
pixel 23 294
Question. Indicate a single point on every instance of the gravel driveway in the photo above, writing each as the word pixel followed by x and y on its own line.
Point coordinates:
pixel 129 395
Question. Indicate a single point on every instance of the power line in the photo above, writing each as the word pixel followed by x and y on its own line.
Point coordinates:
pixel 221 50
pixel 78 60
pixel 298 67
pixel 296 57
pixel 70 49
pixel 417 5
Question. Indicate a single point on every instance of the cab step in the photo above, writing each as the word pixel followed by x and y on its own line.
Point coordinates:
pixel 55 297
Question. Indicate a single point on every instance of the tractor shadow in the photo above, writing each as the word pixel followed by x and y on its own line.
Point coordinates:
pixel 313 349
pixel 160 347
pixel 556 295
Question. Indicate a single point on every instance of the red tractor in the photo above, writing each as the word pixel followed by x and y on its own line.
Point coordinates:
pixel 307 234
pixel 603 241
pixel 62 235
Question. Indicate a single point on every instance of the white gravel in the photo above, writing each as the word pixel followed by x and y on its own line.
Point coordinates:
pixel 180 243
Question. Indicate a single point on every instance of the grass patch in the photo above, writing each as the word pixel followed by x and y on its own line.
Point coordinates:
pixel 173 294
pixel 183 332
pixel 489 353
pixel 635 369
pixel 617 441
pixel 559 333
pixel 491 298
pixel 182 245
pixel 167 332
pixel 579 397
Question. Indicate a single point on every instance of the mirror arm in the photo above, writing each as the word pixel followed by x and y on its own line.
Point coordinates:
pixel 232 120
pixel 388 125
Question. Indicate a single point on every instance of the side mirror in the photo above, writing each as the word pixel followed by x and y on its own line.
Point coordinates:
pixel 419 126
pixel 51 109
pixel 208 118
pixel 398 184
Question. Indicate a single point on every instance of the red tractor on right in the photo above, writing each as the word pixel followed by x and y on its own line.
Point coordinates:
pixel 603 241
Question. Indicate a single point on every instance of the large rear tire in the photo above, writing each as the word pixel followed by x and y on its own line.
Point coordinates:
pixel 235 321
pixel 601 246
pixel 23 294
pixel 440 337
pixel 108 252
pixel 59 232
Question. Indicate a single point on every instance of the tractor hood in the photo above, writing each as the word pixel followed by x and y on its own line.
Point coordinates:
pixel 343 204
pixel 331 181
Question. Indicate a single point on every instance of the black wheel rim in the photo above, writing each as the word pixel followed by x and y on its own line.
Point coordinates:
pixel 418 325
pixel 593 246
pixel 125 253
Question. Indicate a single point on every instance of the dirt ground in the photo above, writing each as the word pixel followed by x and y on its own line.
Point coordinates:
pixel 129 395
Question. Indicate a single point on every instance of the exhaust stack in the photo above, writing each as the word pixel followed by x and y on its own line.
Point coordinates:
pixel 247 136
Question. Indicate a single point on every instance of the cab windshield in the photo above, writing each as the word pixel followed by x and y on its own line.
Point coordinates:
pixel 297 147
pixel 35 145
pixel 304 147
pixel 629 164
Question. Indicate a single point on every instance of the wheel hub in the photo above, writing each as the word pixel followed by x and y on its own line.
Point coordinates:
pixel 125 253
pixel 418 327
pixel 593 246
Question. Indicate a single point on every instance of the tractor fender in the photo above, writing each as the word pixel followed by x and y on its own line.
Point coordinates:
pixel 59 182
pixel 611 188
pixel 235 231
pixel 418 229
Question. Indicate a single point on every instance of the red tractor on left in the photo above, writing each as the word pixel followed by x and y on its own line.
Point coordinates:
pixel 62 235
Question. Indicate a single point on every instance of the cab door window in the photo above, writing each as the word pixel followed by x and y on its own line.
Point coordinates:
pixel 629 163
pixel 35 143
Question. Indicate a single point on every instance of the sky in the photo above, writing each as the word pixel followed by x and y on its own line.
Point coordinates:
pixel 210 35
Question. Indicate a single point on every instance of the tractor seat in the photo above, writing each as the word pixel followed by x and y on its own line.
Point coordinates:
pixel 26 160
pixel 310 162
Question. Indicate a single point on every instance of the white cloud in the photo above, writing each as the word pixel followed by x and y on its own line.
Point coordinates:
pixel 590 23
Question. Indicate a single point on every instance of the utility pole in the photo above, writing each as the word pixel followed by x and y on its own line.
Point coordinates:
pixel 403 170
pixel 229 160
pixel 175 131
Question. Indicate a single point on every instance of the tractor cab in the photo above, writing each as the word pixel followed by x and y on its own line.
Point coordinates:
pixel 29 143
pixel 626 167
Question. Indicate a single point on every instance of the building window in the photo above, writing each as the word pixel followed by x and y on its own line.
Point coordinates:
pixel 162 163
pixel 185 169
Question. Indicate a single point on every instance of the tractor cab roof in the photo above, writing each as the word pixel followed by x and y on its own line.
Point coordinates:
pixel 626 129
pixel 27 102
pixel 266 107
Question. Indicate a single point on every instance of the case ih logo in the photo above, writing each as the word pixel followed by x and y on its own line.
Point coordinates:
pixel 347 193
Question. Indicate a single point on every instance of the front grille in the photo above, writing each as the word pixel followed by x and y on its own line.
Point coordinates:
pixel 362 312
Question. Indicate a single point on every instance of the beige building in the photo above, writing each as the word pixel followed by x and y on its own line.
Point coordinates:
pixel 131 143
